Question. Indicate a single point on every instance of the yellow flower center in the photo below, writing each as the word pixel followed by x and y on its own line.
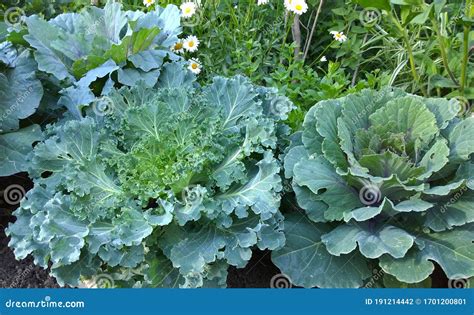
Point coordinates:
pixel 194 66
pixel 299 7
pixel 178 46
pixel 191 44
pixel 187 10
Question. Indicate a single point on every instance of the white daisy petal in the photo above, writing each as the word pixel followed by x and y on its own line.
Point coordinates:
pixel 187 9
pixel 178 47
pixel 339 36
pixel 191 43
pixel 148 3
pixel 194 66
pixel 298 6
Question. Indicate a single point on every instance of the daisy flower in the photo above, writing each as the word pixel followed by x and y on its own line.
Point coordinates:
pixel 187 9
pixel 261 2
pixel 339 36
pixel 178 47
pixel 195 66
pixel 323 59
pixel 298 6
pixel 148 3
pixel 191 43
pixel 288 4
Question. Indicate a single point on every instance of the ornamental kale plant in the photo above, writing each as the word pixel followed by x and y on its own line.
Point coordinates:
pixel 168 188
pixel 73 61
pixel 386 181
pixel 123 47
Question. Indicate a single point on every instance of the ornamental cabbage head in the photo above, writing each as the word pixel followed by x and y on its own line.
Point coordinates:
pixel 167 188
pixel 386 181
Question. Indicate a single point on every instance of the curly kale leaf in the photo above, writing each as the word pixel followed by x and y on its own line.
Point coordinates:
pixel 175 183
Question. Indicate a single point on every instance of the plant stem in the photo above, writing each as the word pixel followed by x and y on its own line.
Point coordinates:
pixel 321 54
pixel 288 27
pixel 356 71
pixel 296 33
pixel 442 49
pixel 308 41
pixel 411 59
pixel 469 14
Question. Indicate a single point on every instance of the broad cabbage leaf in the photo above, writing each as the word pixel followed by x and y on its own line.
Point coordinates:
pixel 20 96
pixel 383 178
pixel 86 52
